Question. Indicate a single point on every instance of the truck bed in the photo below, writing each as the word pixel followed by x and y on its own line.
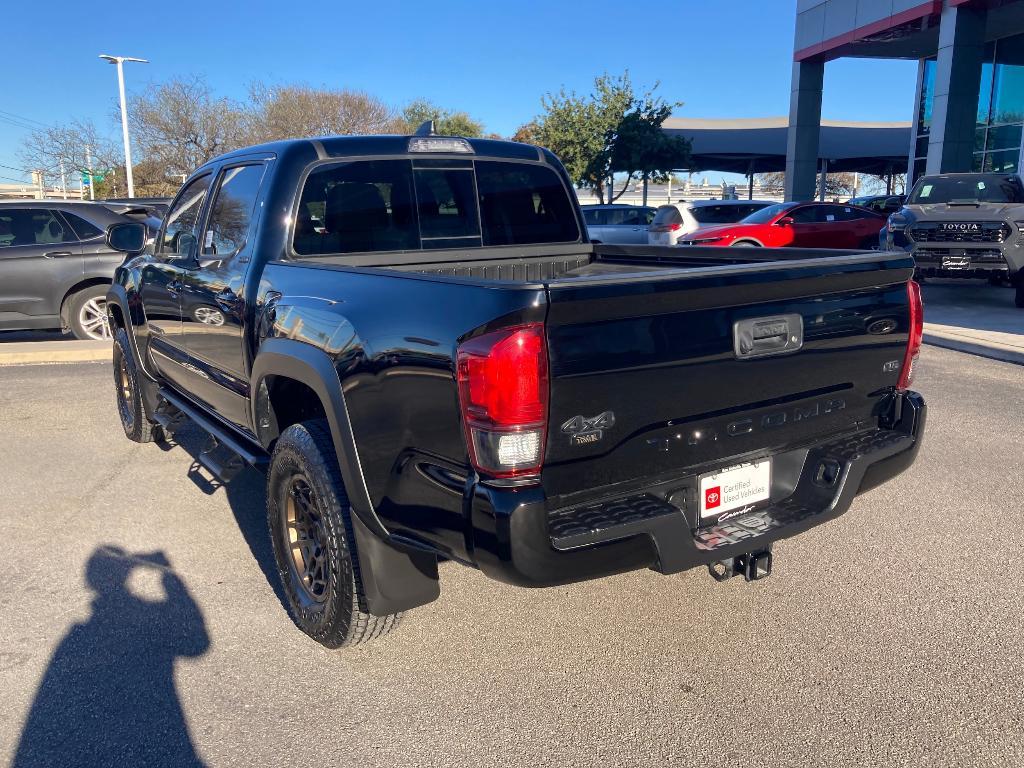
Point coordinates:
pixel 589 262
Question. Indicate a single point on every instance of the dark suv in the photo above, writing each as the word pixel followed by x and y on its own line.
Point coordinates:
pixel 964 225
pixel 55 266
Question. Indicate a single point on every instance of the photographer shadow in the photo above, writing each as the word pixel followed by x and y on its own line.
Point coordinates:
pixel 108 695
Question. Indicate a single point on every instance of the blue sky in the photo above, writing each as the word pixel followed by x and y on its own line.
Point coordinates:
pixel 493 59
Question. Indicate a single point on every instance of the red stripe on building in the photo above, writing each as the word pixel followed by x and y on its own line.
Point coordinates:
pixel 930 8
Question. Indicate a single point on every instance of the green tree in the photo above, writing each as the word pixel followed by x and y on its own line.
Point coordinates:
pixel 610 131
pixel 581 129
pixel 641 148
pixel 446 122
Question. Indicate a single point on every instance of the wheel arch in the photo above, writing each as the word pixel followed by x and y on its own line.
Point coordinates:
pixel 748 239
pixel 81 285
pixel 394 579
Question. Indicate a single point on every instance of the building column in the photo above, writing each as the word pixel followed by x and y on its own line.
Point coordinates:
pixel 957 81
pixel 804 129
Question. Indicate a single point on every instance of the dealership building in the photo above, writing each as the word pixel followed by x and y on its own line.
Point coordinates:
pixel 970 80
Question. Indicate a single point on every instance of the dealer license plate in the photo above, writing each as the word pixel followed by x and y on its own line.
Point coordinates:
pixel 956 262
pixel 734 488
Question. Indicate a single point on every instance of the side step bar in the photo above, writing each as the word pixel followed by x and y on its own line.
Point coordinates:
pixel 220 436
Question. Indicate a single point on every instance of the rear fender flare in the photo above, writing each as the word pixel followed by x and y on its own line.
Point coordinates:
pixel 394 579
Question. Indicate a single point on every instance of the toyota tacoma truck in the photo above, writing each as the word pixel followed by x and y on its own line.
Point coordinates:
pixel 415 340
pixel 964 225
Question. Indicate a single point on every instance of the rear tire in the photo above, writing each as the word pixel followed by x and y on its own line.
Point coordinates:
pixel 309 517
pixel 137 427
pixel 87 314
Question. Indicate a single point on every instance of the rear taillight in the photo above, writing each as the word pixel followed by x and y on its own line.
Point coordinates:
pixel 665 227
pixel 503 391
pixel 916 335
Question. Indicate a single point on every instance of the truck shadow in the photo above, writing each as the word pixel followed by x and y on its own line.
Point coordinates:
pixel 108 695
pixel 246 495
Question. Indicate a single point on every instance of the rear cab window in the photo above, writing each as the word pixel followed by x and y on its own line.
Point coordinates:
pixel 427 203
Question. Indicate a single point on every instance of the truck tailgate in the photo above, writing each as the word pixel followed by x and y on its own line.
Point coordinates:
pixel 649 379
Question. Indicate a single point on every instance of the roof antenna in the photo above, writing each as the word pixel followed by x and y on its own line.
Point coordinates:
pixel 426 129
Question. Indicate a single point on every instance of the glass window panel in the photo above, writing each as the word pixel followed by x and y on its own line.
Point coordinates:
pixel 924 110
pixel 979 139
pixel 1002 162
pixel 921 149
pixel 1008 81
pixel 1004 137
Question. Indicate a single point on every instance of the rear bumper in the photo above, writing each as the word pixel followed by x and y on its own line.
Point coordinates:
pixel 518 540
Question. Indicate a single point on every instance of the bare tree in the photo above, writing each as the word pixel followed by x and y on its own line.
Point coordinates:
pixel 286 111
pixel 77 146
pixel 179 125
pixel 836 184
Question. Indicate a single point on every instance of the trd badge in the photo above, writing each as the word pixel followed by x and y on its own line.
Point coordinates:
pixel 583 430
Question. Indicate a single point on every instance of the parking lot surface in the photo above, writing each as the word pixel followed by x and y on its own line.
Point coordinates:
pixel 140 622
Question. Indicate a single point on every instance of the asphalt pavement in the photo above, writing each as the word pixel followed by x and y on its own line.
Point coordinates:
pixel 140 622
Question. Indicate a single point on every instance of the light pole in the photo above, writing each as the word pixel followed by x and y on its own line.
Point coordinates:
pixel 119 61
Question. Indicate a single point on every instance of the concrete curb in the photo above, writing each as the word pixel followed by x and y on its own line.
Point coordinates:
pixel 991 350
pixel 41 353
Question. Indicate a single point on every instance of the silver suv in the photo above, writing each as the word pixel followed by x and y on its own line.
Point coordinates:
pixel 618 224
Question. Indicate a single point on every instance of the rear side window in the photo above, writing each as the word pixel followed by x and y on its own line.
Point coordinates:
pixel 232 210
pixel 590 216
pixel 667 214
pixel 84 229
pixel 32 226
pixel 396 205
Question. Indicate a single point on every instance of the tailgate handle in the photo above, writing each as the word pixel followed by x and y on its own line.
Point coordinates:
pixel 763 336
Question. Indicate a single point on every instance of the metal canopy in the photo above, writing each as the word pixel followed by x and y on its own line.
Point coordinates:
pixel 757 145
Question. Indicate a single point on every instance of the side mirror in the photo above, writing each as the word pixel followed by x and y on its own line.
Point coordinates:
pixel 785 221
pixel 127 237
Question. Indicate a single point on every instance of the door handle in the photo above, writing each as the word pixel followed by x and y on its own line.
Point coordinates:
pixel 226 298
pixel 56 254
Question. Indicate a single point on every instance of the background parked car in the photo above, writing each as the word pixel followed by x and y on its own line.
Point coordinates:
pixel 618 224
pixel 55 266
pixel 674 221
pixel 879 203
pixel 802 225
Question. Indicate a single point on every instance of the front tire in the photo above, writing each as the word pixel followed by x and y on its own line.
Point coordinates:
pixel 745 244
pixel 137 427
pixel 87 314
pixel 309 517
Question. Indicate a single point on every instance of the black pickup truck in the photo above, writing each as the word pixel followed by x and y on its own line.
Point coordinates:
pixel 416 342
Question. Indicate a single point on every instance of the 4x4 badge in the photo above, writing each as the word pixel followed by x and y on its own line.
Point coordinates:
pixel 583 430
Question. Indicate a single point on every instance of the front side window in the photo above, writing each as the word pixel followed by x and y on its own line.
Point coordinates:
pixel 32 226
pixel 808 214
pixel 181 231
pixel 397 205
pixel 232 211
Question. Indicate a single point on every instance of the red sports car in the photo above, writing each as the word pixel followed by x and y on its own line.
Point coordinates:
pixel 801 225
